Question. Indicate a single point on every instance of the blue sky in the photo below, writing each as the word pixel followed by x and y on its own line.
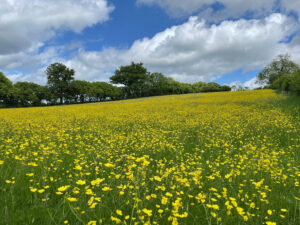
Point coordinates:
pixel 226 41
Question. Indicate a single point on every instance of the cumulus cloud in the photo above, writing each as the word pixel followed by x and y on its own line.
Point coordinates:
pixel 230 8
pixel 197 51
pixel 25 25
pixel 249 84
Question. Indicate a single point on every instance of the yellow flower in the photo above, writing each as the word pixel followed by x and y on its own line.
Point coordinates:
pixel 93 205
pixel 164 200
pixel 106 189
pixel 63 188
pixel 148 212
pixel 109 165
pixel 157 178
pixel 71 199
pixel 269 212
pixel 270 223
pixel 41 191
pixel 89 192
pixel 80 182
pixel 92 222
pixel 76 190
pixel 97 181
pixel 32 189
pixel 283 210
pixel 153 195
pixel 119 212
pixel 169 194
pixel 240 211
pixel 1 162
pixel 116 220
pixel 78 167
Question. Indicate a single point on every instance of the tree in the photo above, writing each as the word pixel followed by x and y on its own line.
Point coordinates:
pixel 28 93
pixel 277 68
pixel 289 82
pixel 59 80
pixel 211 87
pixel 197 87
pixel 295 85
pixel 225 88
pixel 79 90
pixel 6 88
pixel 133 77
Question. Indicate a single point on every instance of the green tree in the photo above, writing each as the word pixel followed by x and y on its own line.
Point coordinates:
pixel 225 88
pixel 197 87
pixel 59 80
pixel 6 89
pixel 79 90
pixel 277 68
pixel 158 84
pixel 211 87
pixel 295 85
pixel 133 77
pixel 28 93
pixel 289 82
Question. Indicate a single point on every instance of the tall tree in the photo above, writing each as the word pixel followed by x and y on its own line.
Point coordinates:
pixel 133 77
pixel 6 87
pixel 59 80
pixel 277 68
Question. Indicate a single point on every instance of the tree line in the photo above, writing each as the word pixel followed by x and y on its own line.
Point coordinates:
pixel 281 74
pixel 133 81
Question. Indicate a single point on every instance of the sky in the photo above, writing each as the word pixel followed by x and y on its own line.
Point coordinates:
pixel 224 41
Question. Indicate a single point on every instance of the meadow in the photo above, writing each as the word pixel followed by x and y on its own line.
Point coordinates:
pixel 207 159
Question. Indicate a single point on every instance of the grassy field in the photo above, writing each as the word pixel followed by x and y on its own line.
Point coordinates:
pixel 218 158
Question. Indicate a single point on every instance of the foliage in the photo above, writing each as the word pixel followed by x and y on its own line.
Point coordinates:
pixel 133 77
pixel 278 67
pixel 59 80
pixel 28 93
pixel 5 89
pixel 219 158
pixel 79 90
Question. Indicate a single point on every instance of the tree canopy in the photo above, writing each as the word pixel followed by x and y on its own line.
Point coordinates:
pixel 282 74
pixel 59 80
pixel 277 68
pixel 133 77
pixel 5 88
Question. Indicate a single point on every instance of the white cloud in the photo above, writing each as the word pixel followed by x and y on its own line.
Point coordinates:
pixel 189 52
pixel 24 25
pixel 232 8
pixel 249 84
pixel 196 51
pixel 291 5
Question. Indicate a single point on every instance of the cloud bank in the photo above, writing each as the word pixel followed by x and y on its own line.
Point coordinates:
pixel 195 50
